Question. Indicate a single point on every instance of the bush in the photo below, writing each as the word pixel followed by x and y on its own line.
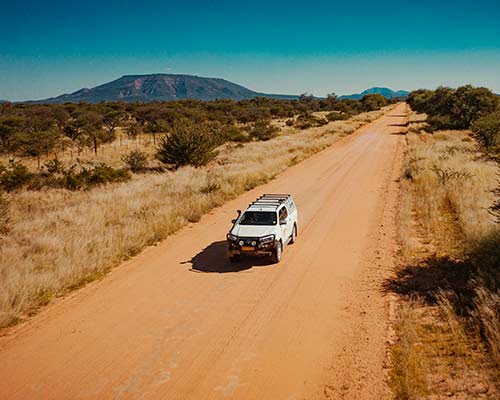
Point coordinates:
pixel 54 166
pixel 372 102
pixel 103 173
pixel 336 116
pixel 306 121
pixel 262 130
pixel 487 130
pixel 136 161
pixel 88 177
pixel 14 176
pixel 231 133
pixel 188 143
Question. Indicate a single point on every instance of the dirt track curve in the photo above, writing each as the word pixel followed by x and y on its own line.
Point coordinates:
pixel 180 322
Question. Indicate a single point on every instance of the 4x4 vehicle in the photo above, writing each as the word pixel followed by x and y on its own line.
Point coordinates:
pixel 264 228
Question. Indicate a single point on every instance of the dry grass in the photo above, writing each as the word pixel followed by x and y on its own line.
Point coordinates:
pixel 434 357
pixel 58 240
pixel 407 376
pixel 488 312
pixel 446 278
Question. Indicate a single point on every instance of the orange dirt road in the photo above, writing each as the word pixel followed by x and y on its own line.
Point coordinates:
pixel 180 322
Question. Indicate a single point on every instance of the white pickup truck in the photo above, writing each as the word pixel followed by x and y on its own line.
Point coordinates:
pixel 264 228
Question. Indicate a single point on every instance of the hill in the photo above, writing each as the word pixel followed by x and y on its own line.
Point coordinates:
pixel 386 92
pixel 161 87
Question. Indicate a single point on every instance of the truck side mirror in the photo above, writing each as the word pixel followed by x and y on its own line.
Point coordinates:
pixel 233 221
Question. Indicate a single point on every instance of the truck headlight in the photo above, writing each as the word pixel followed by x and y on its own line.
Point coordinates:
pixel 232 237
pixel 267 239
pixel 241 242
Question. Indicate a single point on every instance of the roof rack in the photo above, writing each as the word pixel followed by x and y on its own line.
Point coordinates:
pixel 270 200
pixel 274 196
pixel 266 203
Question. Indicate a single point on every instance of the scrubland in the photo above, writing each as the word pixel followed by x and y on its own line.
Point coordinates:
pixel 109 153
pixel 55 240
pixel 448 310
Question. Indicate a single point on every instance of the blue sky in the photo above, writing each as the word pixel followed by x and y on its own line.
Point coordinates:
pixel 53 47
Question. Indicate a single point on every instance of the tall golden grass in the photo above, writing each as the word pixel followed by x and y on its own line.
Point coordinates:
pixel 445 279
pixel 58 240
pixel 449 179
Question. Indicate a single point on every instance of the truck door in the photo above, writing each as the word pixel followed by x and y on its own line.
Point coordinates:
pixel 286 229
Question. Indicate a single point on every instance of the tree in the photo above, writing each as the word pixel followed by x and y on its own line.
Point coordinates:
pixel 453 108
pixel 306 98
pixel 487 130
pixel 9 127
pixel 331 101
pixel 35 144
pixel 187 143
pixel 471 103
pixel 418 100
pixel 89 124
pixel 111 120
pixel 372 102
pixel 61 117
pixel 133 129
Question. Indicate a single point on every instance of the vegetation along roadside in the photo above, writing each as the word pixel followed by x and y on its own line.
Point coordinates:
pixel 447 321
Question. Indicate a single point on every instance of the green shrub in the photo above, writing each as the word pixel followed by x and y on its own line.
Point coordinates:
pixel 71 179
pixel 54 166
pixel 103 173
pixel 262 130
pixel 56 176
pixel 136 161
pixel 223 132
pixel 306 121
pixel 372 102
pixel 187 143
pixel 231 133
pixel 487 130
pixel 336 116
pixel 88 177
pixel 14 176
pixel 85 178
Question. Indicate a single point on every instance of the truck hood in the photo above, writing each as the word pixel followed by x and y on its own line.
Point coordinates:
pixel 253 230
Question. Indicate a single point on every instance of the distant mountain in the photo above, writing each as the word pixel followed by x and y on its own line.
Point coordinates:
pixel 161 87
pixel 386 92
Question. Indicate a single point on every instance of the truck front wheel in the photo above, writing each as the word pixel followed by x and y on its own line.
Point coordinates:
pixel 294 234
pixel 276 254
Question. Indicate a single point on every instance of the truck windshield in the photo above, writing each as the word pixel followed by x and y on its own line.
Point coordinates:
pixel 258 218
